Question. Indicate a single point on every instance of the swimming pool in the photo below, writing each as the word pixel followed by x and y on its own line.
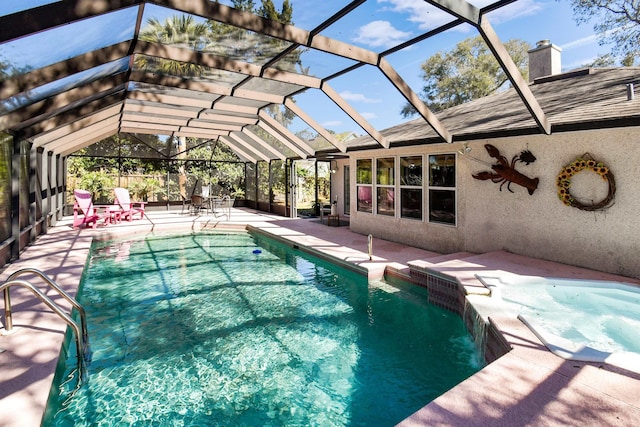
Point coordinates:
pixel 234 329
pixel 596 321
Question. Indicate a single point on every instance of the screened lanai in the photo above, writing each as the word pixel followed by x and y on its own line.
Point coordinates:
pixel 229 93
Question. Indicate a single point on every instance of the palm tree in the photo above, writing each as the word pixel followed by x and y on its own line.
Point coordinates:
pixel 177 30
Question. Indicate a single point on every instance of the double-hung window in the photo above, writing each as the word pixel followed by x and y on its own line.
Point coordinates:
pixel 385 186
pixel 364 185
pixel 411 187
pixel 442 188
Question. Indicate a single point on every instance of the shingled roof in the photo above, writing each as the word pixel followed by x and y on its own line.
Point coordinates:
pixel 589 98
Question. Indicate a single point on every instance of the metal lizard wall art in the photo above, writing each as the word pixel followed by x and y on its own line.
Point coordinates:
pixel 503 172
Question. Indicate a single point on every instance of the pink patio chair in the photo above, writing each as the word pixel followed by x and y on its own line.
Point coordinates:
pixel 84 212
pixel 129 208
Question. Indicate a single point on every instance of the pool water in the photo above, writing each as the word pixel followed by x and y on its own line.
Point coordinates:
pixel 237 330
pixel 600 315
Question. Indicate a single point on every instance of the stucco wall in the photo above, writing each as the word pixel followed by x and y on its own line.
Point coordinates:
pixel 537 225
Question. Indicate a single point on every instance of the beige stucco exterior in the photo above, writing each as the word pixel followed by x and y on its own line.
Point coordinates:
pixel 537 225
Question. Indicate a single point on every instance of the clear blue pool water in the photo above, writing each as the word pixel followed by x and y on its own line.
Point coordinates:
pixel 236 330
pixel 601 315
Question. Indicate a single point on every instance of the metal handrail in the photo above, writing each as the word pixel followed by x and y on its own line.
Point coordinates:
pixel 53 306
pixel 55 286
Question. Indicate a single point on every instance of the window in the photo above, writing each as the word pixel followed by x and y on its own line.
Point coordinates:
pixel 411 187
pixel 442 191
pixel 364 184
pixel 385 189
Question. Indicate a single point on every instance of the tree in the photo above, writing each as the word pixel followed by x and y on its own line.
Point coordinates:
pixel 180 30
pixel 469 71
pixel 617 23
pixel 606 60
pixel 246 5
pixel 268 10
pixel 248 46
pixel 9 69
pixel 5 68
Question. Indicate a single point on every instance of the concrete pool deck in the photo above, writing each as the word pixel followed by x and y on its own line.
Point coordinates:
pixel 527 386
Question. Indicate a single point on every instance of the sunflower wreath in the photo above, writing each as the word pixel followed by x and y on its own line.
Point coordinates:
pixel 586 162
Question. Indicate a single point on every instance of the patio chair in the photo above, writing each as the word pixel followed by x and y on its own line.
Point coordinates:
pixel 129 208
pixel 197 204
pixel 206 195
pixel 186 204
pixel 84 212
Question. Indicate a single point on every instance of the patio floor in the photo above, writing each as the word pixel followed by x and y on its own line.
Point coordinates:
pixel 527 386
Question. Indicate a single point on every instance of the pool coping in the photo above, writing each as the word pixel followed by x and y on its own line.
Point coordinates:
pixel 527 386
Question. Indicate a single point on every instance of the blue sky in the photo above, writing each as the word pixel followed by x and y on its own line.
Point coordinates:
pixel 529 20
pixel 377 25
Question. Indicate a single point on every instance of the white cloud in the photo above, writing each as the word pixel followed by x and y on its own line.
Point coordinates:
pixel 421 13
pixel 358 97
pixel 428 17
pixel 592 39
pixel 512 11
pixel 369 116
pixel 331 123
pixel 380 34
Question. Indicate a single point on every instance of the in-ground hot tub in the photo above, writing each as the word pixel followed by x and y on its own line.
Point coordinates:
pixel 595 321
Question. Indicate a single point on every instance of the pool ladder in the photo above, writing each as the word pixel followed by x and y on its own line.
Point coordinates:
pixel 80 331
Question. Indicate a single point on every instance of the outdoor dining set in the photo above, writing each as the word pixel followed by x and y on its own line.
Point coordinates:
pixel 206 202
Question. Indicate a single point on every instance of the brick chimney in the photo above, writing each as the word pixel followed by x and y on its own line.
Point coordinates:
pixel 544 60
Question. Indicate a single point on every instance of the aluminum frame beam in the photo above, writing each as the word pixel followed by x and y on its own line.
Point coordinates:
pixel 68 109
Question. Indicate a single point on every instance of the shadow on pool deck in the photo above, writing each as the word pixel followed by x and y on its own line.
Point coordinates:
pixel 527 386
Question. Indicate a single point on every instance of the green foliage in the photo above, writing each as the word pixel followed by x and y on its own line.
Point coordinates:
pixel 203 163
pixel 282 114
pixel 6 148
pixel 468 72
pixel 364 171
pixel 99 183
pixel 268 10
pixel 218 38
pixel 5 67
pixel 263 181
pixel 177 29
pixel 278 181
pixel 9 70
pixel 246 5
pixel 606 60
pixel 617 22
pixel 180 30
pixel 141 189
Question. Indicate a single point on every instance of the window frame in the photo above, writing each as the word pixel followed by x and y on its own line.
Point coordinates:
pixel 403 186
pixel 443 187
pixel 364 186
pixel 383 209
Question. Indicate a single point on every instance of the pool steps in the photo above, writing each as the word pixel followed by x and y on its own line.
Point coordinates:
pixel 465 296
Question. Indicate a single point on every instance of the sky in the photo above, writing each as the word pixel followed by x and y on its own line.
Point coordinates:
pixel 388 22
pixel 377 25
pixel 529 20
